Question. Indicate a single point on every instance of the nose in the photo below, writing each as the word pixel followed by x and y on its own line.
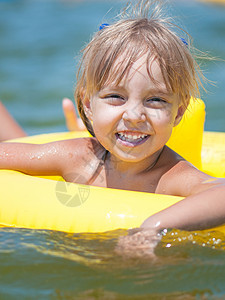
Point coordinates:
pixel 134 114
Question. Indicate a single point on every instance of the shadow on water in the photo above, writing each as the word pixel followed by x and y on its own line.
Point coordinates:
pixel 57 265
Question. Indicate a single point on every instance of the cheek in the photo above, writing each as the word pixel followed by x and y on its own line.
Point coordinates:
pixel 162 119
pixel 103 127
pixel 101 121
pixel 105 117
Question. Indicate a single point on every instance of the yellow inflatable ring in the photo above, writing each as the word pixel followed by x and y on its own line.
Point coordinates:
pixel 51 203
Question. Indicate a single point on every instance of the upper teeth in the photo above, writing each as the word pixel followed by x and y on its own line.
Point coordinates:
pixel 130 136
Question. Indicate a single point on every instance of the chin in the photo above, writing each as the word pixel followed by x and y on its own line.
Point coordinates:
pixel 129 158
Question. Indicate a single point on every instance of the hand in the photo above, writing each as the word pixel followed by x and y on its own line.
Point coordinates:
pixel 73 122
pixel 139 243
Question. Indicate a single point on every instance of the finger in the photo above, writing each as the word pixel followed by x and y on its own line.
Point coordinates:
pixel 73 122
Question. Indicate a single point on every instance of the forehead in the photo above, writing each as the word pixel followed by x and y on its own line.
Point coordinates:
pixel 143 69
pixel 146 68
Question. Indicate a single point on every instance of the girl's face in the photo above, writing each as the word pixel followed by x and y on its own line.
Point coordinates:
pixel 134 119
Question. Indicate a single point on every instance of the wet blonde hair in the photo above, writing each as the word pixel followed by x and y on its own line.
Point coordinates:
pixel 141 30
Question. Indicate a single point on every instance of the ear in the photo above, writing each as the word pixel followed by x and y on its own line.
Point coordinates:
pixel 86 104
pixel 180 112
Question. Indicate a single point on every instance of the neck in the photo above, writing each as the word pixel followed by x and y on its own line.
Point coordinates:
pixel 133 168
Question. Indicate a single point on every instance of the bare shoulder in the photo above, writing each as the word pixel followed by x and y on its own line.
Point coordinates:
pixel 76 149
pixel 80 155
pixel 78 145
pixel 181 178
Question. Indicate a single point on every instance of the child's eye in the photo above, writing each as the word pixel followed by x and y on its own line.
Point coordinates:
pixel 156 101
pixel 114 96
pixel 115 99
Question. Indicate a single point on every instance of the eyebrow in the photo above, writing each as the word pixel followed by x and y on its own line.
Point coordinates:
pixel 109 88
pixel 162 91
pixel 154 90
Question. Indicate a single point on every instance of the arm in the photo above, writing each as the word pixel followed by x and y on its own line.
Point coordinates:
pixel 10 128
pixel 68 158
pixel 203 208
pixel 45 159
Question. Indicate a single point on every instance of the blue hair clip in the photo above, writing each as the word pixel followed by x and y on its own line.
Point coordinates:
pixel 184 41
pixel 103 25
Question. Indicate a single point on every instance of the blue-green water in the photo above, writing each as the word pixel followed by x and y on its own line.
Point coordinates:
pixel 55 265
pixel 40 43
pixel 39 47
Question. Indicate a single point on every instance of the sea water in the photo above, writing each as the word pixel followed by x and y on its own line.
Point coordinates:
pixel 39 264
pixel 39 49
pixel 40 43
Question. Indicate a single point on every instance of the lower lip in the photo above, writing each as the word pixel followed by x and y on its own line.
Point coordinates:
pixel 131 144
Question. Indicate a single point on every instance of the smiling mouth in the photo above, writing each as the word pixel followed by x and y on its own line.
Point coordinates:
pixel 131 139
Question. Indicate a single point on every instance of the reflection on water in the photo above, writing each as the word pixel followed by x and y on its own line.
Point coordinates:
pixel 85 266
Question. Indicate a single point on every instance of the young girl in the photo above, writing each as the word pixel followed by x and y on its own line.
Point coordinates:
pixel 135 81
